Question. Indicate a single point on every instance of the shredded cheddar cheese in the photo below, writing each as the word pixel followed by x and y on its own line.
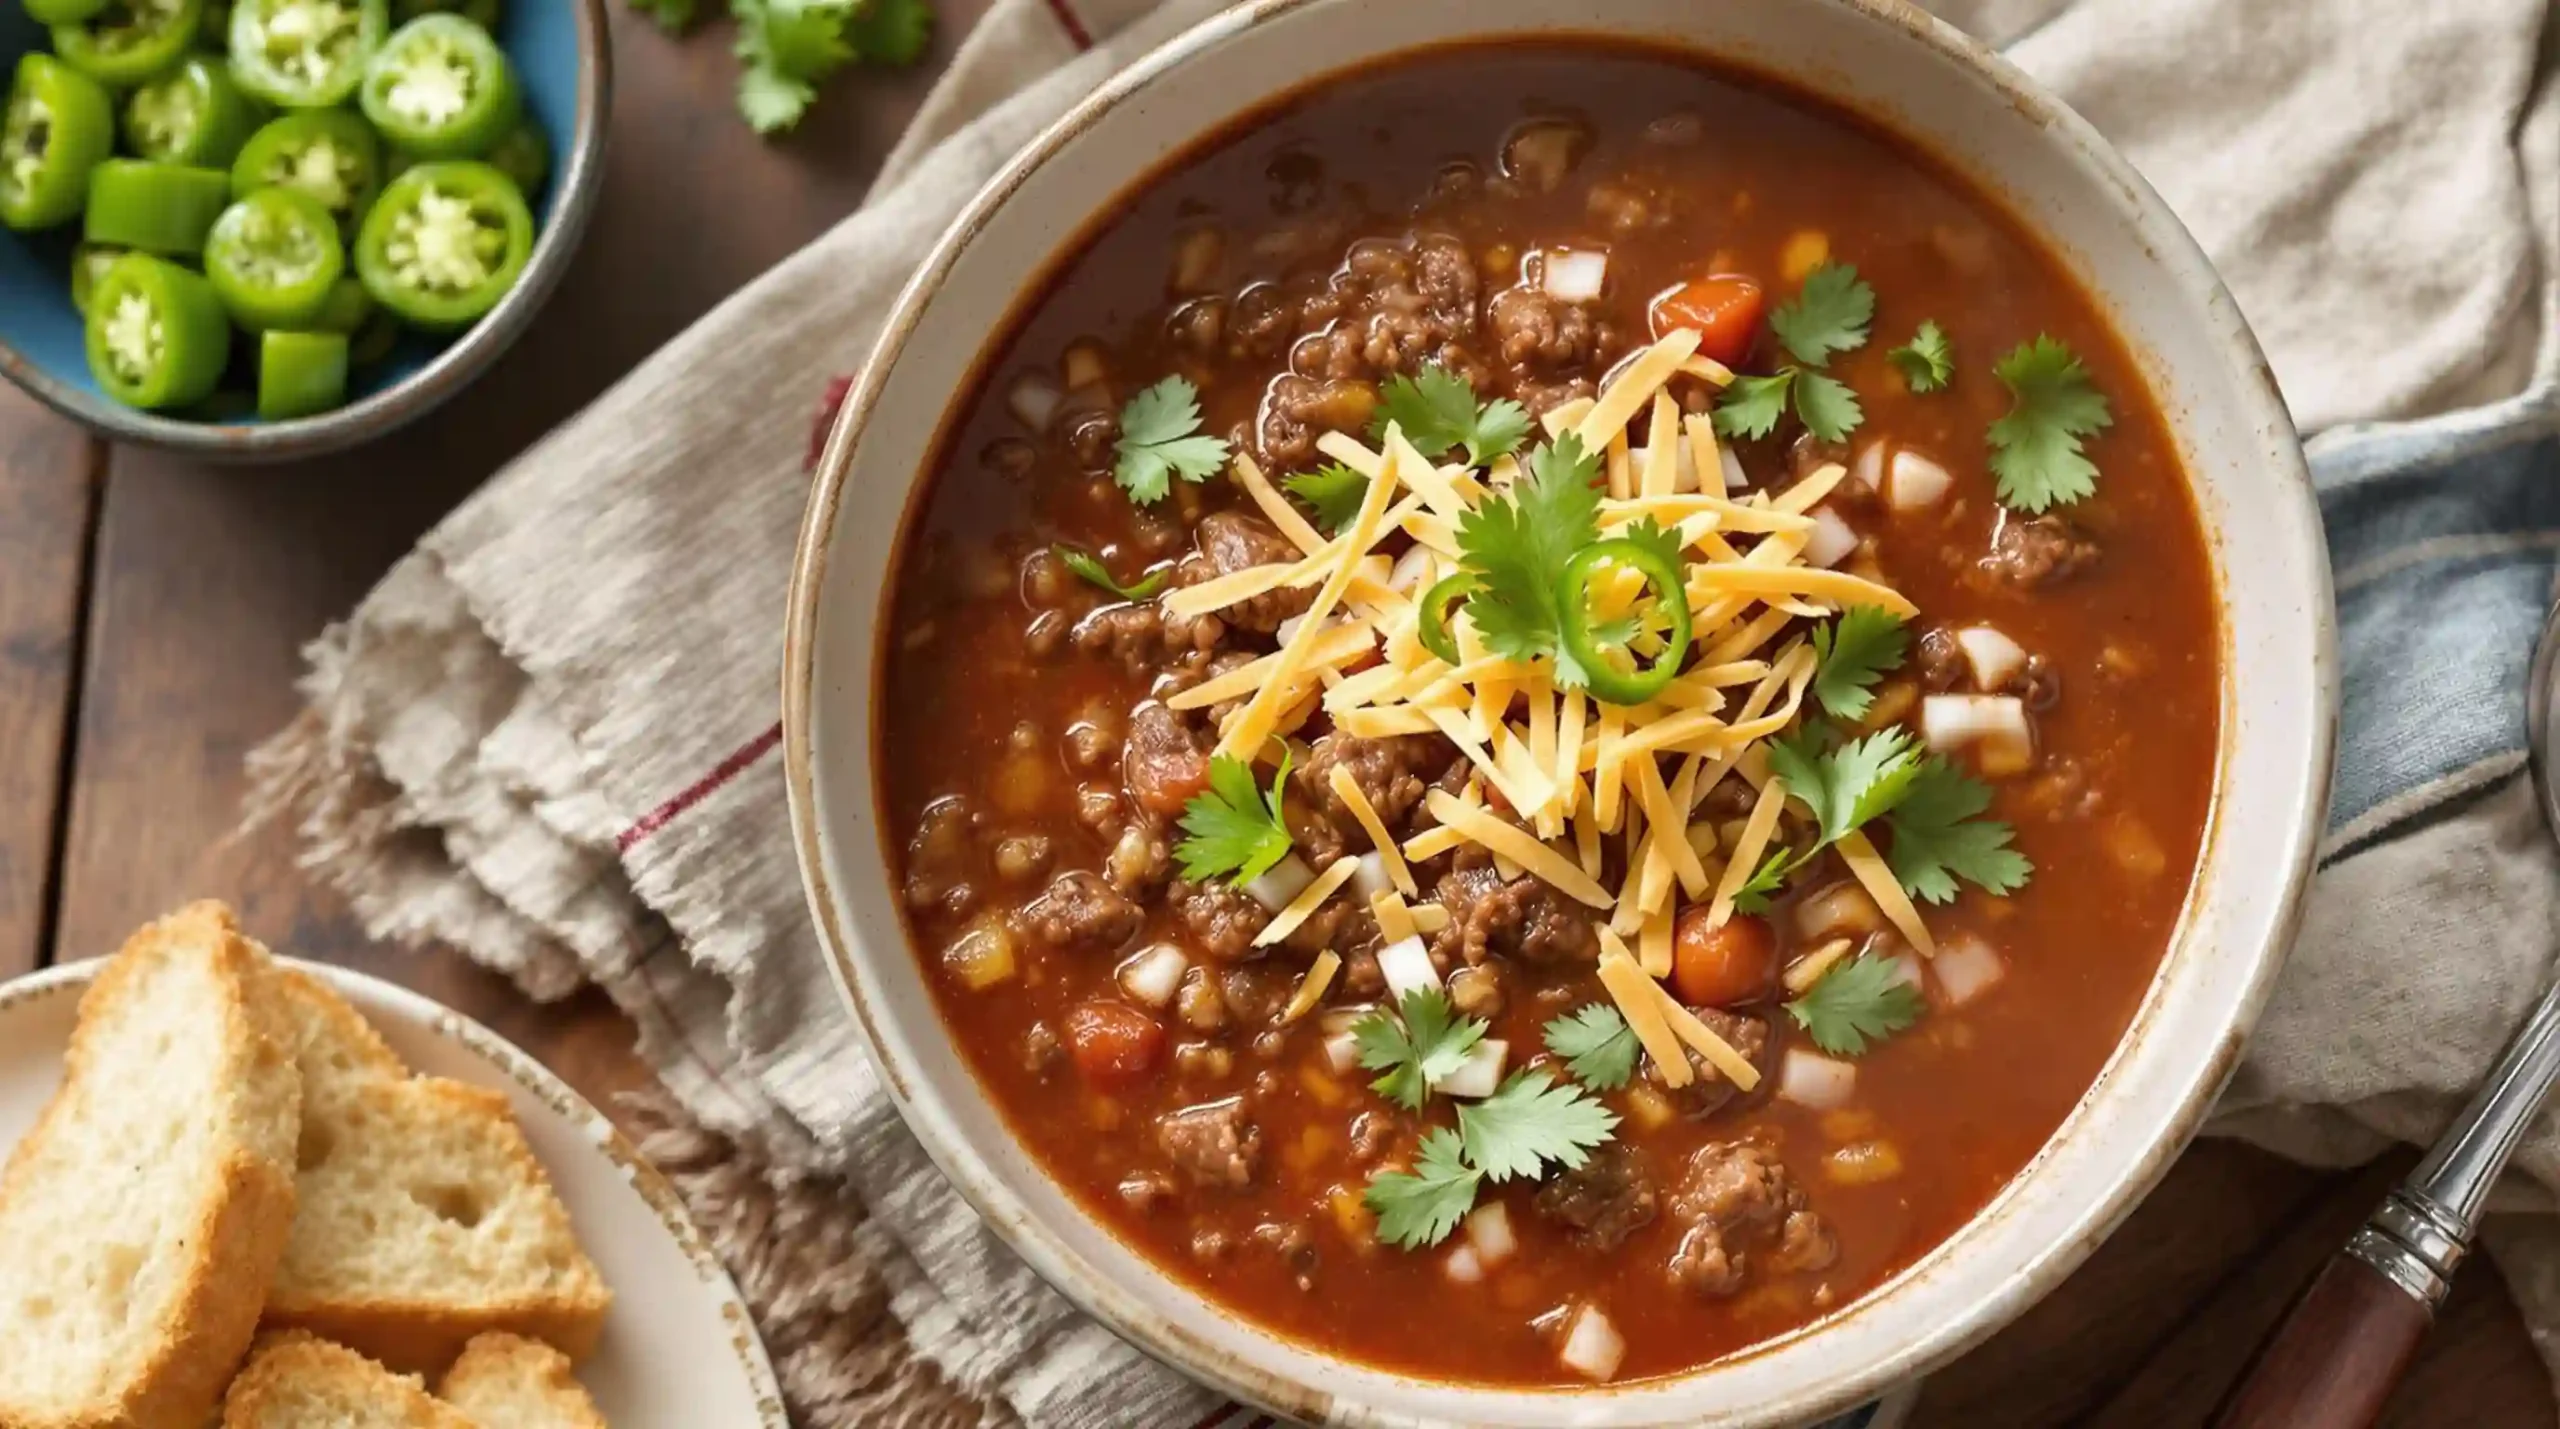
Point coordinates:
pixel 1309 899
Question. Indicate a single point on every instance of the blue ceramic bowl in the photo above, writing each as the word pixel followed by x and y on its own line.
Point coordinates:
pixel 564 64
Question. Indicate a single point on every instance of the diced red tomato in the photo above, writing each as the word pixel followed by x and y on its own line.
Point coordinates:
pixel 1722 967
pixel 1725 309
pixel 1114 1045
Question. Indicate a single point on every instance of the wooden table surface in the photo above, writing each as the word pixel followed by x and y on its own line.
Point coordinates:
pixel 152 610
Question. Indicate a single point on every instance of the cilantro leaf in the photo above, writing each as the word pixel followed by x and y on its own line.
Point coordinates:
pixel 892 32
pixel 1530 1121
pixel 1754 894
pixel 1860 1001
pixel 1653 536
pixel 1420 1207
pixel 1751 406
pixel 1423 1045
pixel 1235 828
pixel 1094 572
pixel 1596 1043
pixel 673 16
pixel 1828 315
pixel 771 100
pixel 1851 654
pixel 1827 407
pixel 1927 361
pixel 1848 786
pixel 1437 410
pixel 1937 839
pixel 1516 545
pixel 1160 439
pixel 2036 447
pixel 1333 490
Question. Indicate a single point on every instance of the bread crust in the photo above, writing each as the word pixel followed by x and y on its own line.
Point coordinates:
pixel 288 1367
pixel 502 1371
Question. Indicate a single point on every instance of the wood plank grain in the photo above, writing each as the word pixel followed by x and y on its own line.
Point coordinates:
pixel 47 505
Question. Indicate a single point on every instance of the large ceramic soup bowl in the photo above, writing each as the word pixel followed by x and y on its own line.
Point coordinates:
pixel 1502 717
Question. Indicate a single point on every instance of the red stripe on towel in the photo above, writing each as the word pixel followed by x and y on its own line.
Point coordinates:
pixel 700 789
pixel 1068 21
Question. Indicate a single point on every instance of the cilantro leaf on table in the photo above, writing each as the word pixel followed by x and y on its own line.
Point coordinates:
pixel 1849 786
pixel 1420 1207
pixel 1927 361
pixel 1828 315
pixel 1751 406
pixel 1938 839
pixel 1234 828
pixel 1516 544
pixel 1091 569
pixel 2035 447
pixel 1859 1002
pixel 1596 1044
pixel 1333 491
pixel 1438 411
pixel 895 33
pixel 1827 407
pixel 1530 1121
pixel 1423 1042
pixel 771 100
pixel 1851 654
pixel 673 16
pixel 1754 894
pixel 1160 438
pixel 787 47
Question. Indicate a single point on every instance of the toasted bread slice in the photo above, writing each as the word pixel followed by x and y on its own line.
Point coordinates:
pixel 425 1219
pixel 508 1382
pixel 142 1218
pixel 298 1382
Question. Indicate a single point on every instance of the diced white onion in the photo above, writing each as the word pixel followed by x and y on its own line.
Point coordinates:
pixel 1831 539
pixel 1995 657
pixel 1997 723
pixel 1406 966
pixel 1463 1265
pixel 1576 277
pixel 1153 975
pixel 1341 1050
pixel 1915 481
pixel 1489 1231
pixel 1034 399
pixel 1734 477
pixel 1684 465
pixel 1413 570
pixel 1284 881
pixel 1369 875
pixel 1967 967
pixel 1906 971
pixel 1592 1346
pixel 1842 910
pixel 1815 1081
pixel 1867 468
pixel 1481 1074
pixel 1288 629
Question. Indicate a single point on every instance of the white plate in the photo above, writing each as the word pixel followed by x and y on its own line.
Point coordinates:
pixel 679 1351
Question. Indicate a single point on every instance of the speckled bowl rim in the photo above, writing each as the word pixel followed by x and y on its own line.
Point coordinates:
pixel 597 1131
pixel 444 375
pixel 2180 1094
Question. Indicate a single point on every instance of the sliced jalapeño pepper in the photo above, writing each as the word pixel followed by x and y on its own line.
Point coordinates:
pixel 300 373
pixel 49 13
pixel 440 88
pixel 524 156
pixel 1606 659
pixel 59 125
pixel 349 308
pixel 483 13
pixel 330 154
pixel 275 259
pixel 193 114
pixel 158 208
pixel 1432 623
pixel 305 54
pixel 157 333
pixel 444 243
pixel 89 263
pixel 129 41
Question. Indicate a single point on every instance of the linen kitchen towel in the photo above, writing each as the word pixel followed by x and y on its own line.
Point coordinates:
pixel 548 736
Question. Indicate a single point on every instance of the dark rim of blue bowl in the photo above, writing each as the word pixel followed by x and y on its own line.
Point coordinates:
pixel 447 373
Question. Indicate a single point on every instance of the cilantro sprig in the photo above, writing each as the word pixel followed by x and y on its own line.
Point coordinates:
pixel 1860 1001
pixel 1332 491
pixel 1851 654
pixel 787 48
pixel 1765 881
pixel 1160 439
pixel 1092 571
pixel 1829 315
pixel 2035 447
pixel 1597 1045
pixel 1938 837
pixel 1439 414
pixel 1235 829
pixel 1531 1123
pixel 1849 786
pixel 1516 544
pixel 1928 361
pixel 1423 1042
